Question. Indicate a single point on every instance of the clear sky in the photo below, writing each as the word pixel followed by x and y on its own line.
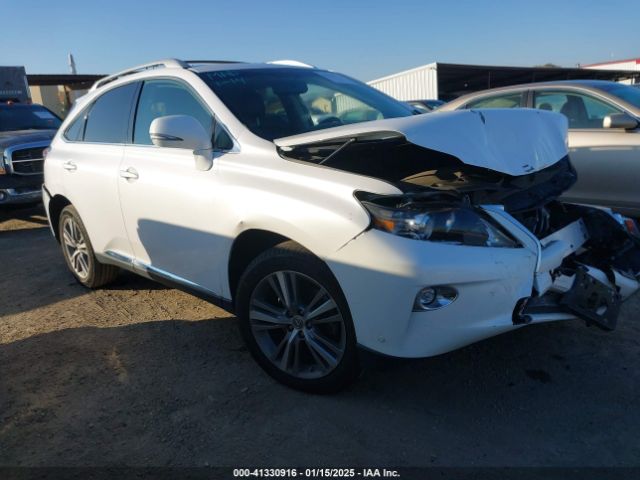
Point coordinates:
pixel 365 39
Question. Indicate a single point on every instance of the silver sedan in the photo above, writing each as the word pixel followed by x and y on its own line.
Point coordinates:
pixel 604 134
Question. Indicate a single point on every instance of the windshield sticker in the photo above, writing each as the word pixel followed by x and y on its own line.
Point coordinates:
pixel 44 115
pixel 224 78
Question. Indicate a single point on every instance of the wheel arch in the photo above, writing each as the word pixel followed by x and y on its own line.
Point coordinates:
pixel 247 246
pixel 56 205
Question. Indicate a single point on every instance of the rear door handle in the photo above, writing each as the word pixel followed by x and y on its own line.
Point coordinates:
pixel 130 173
pixel 69 166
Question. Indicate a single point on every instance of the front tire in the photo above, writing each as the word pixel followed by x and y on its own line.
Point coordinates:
pixel 78 252
pixel 295 320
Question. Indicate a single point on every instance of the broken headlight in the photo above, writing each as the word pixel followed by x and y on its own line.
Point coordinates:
pixel 459 225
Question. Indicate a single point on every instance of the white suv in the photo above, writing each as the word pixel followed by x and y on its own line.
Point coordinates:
pixel 327 216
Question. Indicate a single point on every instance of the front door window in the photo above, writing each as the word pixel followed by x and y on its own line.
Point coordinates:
pixel 582 111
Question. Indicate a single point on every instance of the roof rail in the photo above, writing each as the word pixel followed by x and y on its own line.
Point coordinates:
pixel 166 63
pixel 291 63
pixel 194 62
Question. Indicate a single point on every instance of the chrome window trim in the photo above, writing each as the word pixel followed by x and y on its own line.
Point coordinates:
pixel 87 108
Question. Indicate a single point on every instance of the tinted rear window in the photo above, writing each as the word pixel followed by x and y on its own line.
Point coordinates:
pixel 76 129
pixel 108 118
pixel 508 100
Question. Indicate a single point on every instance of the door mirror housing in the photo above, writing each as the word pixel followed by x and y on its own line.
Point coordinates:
pixel 620 120
pixel 183 131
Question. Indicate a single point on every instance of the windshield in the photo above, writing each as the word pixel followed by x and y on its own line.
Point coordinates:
pixel 628 94
pixel 27 117
pixel 278 102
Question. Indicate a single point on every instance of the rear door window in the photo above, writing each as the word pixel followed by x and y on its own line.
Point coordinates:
pixel 509 100
pixel 75 132
pixel 108 117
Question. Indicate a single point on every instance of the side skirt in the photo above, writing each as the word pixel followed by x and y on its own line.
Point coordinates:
pixel 165 278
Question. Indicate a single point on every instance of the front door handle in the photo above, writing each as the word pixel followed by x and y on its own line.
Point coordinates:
pixel 69 166
pixel 130 173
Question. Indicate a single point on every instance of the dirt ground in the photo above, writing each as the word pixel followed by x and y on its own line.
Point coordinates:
pixel 138 374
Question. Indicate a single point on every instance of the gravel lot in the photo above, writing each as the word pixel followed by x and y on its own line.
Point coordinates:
pixel 138 374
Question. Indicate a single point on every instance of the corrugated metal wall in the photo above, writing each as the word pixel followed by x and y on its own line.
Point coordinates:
pixel 342 103
pixel 416 84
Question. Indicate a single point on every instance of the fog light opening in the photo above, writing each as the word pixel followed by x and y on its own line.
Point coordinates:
pixel 433 298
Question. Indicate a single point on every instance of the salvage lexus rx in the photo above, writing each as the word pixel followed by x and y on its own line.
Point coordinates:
pixel 327 216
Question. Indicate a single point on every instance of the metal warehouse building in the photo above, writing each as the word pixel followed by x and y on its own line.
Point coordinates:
pixel 629 64
pixel 447 81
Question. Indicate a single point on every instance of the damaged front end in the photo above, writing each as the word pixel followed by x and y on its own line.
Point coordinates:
pixel 495 184
pixel 589 264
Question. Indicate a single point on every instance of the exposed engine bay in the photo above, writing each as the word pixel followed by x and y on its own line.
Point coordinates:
pixel 588 262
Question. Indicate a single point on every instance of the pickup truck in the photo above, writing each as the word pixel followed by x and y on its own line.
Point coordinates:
pixel 25 131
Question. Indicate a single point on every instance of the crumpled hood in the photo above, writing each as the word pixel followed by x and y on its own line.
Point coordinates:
pixel 511 141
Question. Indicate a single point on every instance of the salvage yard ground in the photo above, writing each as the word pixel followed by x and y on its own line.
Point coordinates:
pixel 139 374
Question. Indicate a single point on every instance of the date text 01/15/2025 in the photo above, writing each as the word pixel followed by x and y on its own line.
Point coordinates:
pixel 316 473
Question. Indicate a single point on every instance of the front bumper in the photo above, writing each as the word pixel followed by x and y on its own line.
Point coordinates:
pixel 15 196
pixel 16 190
pixel 381 274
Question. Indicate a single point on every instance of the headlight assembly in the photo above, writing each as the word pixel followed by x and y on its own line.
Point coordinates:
pixel 459 225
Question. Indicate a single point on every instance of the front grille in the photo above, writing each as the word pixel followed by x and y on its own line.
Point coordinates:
pixel 27 161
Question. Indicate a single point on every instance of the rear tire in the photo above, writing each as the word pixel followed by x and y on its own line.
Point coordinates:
pixel 78 252
pixel 295 320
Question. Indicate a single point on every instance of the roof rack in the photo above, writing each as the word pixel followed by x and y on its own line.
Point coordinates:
pixel 193 62
pixel 167 63
pixel 291 63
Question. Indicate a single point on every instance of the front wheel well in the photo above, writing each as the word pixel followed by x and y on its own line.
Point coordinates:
pixel 56 205
pixel 247 246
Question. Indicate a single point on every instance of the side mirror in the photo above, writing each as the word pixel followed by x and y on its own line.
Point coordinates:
pixel 183 131
pixel 620 120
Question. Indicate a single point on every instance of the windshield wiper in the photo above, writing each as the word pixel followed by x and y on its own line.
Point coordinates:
pixel 337 150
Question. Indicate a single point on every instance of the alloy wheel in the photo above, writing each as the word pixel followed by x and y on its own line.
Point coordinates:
pixel 75 247
pixel 297 324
